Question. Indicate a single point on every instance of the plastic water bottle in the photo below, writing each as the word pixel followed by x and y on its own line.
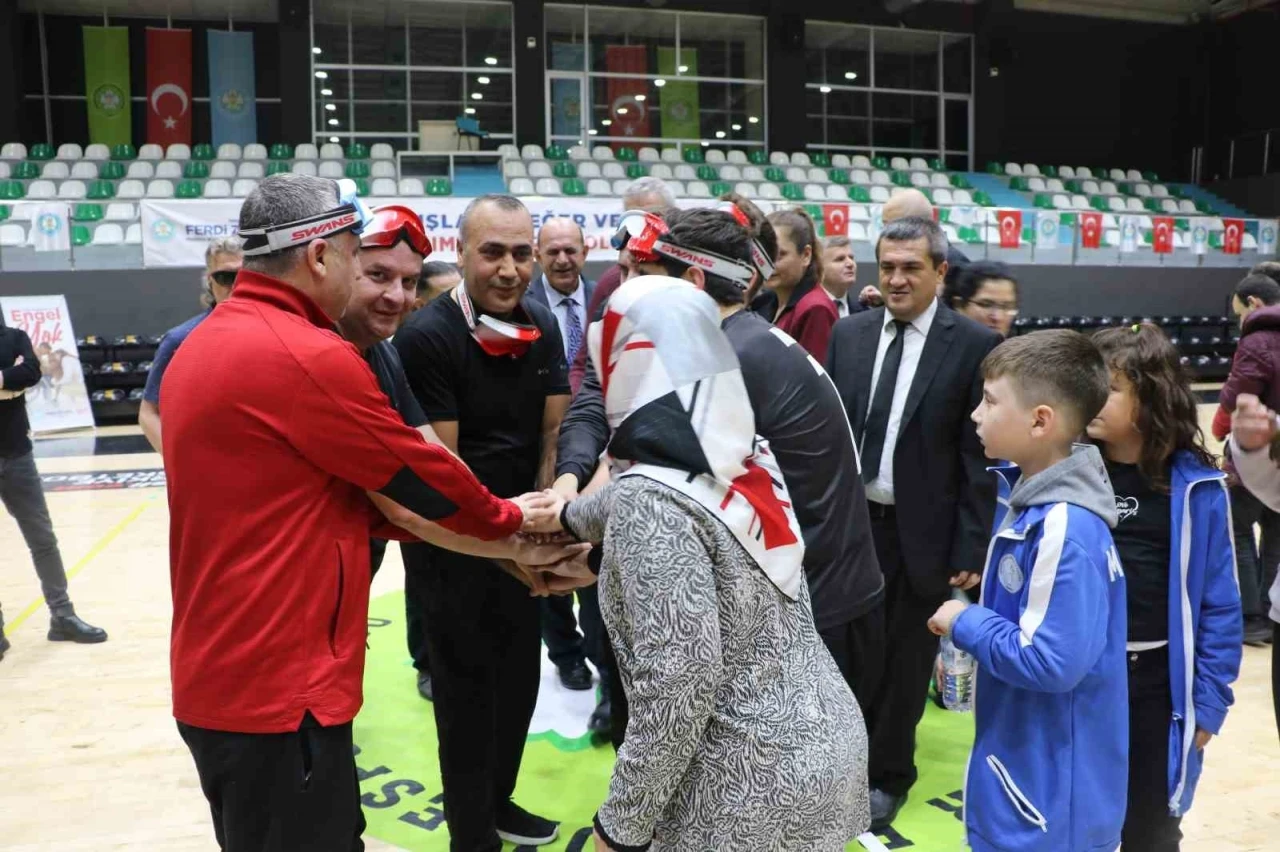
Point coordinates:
pixel 958 669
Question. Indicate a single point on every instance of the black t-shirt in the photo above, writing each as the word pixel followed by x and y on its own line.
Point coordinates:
pixel 385 363
pixel 497 401
pixel 1142 539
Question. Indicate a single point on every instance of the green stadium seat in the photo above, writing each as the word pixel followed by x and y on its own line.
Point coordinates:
pixel 439 186
pixel 281 151
pixel 927 193
pixel 1153 204
pixel 357 151
pixel 626 155
pixel 195 170
pixel 101 189
pixel 362 187
pixel 111 171
pixel 969 235
pixel 1028 235
pixel 4 212
pixel 357 170
pixel 1020 184
pixel 1049 171
pixel 1097 202
pixel 1073 186
pixel 693 156
pixel 203 151
pixel 564 169
pixel 708 173
pixel 555 152
pixel 994 168
pixel 960 182
pixel 859 194
pixel 840 176
pixel 26 170
pixel 983 200
pixel 1151 177
pixel 41 151
pixel 880 162
pixel 937 165
pixel 720 187
pixel 87 213
pixel 774 174
pixel 901 179
pixel 1043 201
pixel 189 189
pixel 573 186
pixel 821 160
pixel 79 235
pixel 637 170
pixel 1205 207
pixel 792 192
pixel 944 214
pixel 11 190
pixel 758 157
pixel 1215 239
pixel 277 167
pixel 124 152
pixel 1182 224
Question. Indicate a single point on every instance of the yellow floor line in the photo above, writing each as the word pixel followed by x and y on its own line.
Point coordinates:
pixel 100 546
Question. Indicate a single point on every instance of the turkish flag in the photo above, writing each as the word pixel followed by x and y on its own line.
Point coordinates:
pixel 168 86
pixel 628 105
pixel 1010 228
pixel 1232 235
pixel 835 219
pixel 1162 234
pixel 1091 230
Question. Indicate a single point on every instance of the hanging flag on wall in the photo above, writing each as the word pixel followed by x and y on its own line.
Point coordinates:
pixel 1266 236
pixel 232 97
pixel 566 95
pixel 1010 222
pixel 106 84
pixel 1199 237
pixel 679 98
pixel 168 86
pixel 1091 230
pixel 630 114
pixel 1162 234
pixel 1232 235
pixel 1047 226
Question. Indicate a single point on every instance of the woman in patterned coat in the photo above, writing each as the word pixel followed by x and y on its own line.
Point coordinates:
pixel 743 735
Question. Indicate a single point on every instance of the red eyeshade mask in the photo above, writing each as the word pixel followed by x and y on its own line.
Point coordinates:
pixel 645 235
pixel 392 223
pixel 497 337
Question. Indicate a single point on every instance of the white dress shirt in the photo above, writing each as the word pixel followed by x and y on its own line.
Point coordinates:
pixel 881 489
pixel 555 299
pixel 842 302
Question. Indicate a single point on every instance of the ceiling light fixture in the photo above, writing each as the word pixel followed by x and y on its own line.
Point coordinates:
pixel 483 81
pixel 316 51
pixel 331 107
pixel 333 138
pixel 607 122
pixel 683 69
pixel 470 110
pixel 327 92
pixel 851 75
pixel 753 120
pixel 737 126
pixel 826 90
pixel 322 75
pixel 719 134
pixel 491 60
pixel 477 96
pixel 659 82
pixel 640 98
pixel 333 122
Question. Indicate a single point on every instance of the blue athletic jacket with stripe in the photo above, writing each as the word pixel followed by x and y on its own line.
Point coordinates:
pixel 1049 767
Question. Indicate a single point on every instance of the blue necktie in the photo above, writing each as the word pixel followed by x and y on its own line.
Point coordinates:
pixel 574 326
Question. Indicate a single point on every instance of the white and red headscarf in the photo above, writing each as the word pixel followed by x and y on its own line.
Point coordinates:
pixel 680 415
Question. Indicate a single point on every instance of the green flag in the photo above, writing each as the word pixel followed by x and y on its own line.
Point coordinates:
pixel 106 84
pixel 679 99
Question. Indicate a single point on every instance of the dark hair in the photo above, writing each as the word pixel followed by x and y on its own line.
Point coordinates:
pixel 761 228
pixel 712 230
pixel 803 233
pixel 1260 286
pixel 916 228
pixel 1167 415
pixel 432 268
pixel 969 280
pixel 1059 368
pixel 1269 268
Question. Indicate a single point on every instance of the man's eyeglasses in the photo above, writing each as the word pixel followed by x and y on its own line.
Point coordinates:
pixel 223 277
pixel 995 307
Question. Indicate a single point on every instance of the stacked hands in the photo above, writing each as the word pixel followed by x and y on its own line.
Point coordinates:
pixel 544 557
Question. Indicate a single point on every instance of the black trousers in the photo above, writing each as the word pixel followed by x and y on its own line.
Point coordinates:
pixel 483 640
pixel 1256 565
pixel 560 631
pixel 294 792
pixel 1148 827
pixel 415 636
pixel 910 649
pixel 858 649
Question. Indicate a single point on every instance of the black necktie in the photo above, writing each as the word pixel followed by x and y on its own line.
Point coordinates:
pixel 878 416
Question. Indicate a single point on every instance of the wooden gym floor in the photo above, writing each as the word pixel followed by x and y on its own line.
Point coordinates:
pixel 92 760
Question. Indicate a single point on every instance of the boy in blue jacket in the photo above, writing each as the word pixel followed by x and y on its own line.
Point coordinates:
pixel 1048 770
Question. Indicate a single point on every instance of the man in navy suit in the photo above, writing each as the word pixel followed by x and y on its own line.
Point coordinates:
pixel 562 253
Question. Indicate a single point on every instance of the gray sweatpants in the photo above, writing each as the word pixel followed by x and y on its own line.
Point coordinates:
pixel 23 497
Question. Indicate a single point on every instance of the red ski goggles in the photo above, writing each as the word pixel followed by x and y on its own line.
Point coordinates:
pixel 392 223
pixel 645 236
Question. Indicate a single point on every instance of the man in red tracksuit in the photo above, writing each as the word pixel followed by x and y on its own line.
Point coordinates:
pixel 275 430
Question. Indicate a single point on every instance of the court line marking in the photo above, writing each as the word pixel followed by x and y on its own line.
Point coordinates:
pixel 97 548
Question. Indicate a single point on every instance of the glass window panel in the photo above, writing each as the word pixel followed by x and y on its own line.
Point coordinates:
pixel 722 45
pixel 906 59
pixel 835 53
pixel 495 118
pixel 337 82
pixel 904 121
pixel 488 28
pixel 379 118
pixel 565 28
pixel 849 118
pixel 379 85
pixel 431 44
pixel 957 70
pixel 437 86
pixel 377 45
pixel 627 40
pixel 957 115
pixel 629 104
pixel 331 38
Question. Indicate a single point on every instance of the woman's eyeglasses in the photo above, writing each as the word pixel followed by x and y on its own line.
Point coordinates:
pixel 223 277
pixel 995 307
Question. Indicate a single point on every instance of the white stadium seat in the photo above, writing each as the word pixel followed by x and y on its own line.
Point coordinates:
pixel 383 187
pixel 738 158
pixel 13 151
pixel 814 192
pixel 859 177
pixel 223 169
pixel 109 234
pixel 178 151
pixel 899 164
pixel 1117 174
pixel 746 190
pixel 83 170
pixel 131 189
pixel 141 170
pixel 1109 188
pixel 795 174
pixel 169 170
pixel 697 189
pixel 770 191
pixel 255 152
pixel 940 180
pixel 646 155
pixel 12 235
pixel 251 170
pixel 730 173
pixel 1054 185
pixel 1061 202
pixel 685 172
pixel 73 189
pixel 777 158
pixel 579 152
pixel 1031 170
pixel 962 196
pixel 880 178
pixel 42 189
pixel 1186 206
pixel 602 152
pixel 661 170
pixel 1133 174
pixel 383 151
pixel 151 151
pixel 133 236
pixel 919 164
pixel 879 194
pixel 411 186
pixel 858 232
pixel 329 169
pixel 118 212
pixel 229 151
pixel 942 196
pixel 513 169
pixel 521 186
pixel 715 157
pixel 1116 203
pixel 4 169
pixel 1168 205
pixel 1090 187
pixel 1248 242
pixel 243 187
pixel 1013 169
pixel 840 161
pixel 620 187
pixel 677 188
pixel 217 189
pixel 861 161
pixel 1142 190
pixel 97 151
pixel 859 213
pixel 1159 190
pixel 817 174
pixel 1079 202
pixel 588 169
pixel 55 171
pixel 331 151
pixel 547 186
pixel 836 192
pixel 670 155
pixel 919 180
pixel 304 167
pixel 506 151
pixel 1066 172
pixel 381 169
pixel 69 151
pixel 1083 172
pixel 755 174
pixel 539 169
pixel 800 158
pixel 1036 184
pixel 613 170
pixel 160 188
pixel 306 151
pixel 1134 204
pixel 599 186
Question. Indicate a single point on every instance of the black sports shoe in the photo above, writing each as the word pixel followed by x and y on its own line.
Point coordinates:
pixel 1257 632
pixel 576 676
pixel 518 826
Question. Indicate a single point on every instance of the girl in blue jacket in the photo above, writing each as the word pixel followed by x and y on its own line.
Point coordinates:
pixel 1175 544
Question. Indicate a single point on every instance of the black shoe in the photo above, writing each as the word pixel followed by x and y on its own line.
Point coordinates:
pixel 4 643
pixel 69 628
pixel 884 810
pixel 424 686
pixel 576 676
pixel 518 826
pixel 1256 631
pixel 601 723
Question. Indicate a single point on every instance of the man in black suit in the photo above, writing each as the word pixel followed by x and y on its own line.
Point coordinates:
pixel 562 254
pixel 913 202
pixel 908 374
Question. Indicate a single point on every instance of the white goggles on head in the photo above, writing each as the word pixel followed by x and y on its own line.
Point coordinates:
pixel 351 214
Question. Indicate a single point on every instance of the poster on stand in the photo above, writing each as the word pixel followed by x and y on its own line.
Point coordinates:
pixel 60 400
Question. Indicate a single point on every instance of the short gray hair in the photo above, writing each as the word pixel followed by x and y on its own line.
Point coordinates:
pixel 500 200
pixel 915 228
pixel 286 197
pixel 223 245
pixel 649 186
